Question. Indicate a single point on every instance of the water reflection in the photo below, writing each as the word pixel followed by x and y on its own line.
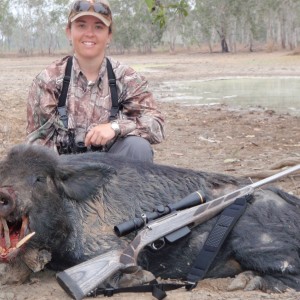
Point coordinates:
pixel 278 93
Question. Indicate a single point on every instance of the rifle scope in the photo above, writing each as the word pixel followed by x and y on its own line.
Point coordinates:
pixel 127 227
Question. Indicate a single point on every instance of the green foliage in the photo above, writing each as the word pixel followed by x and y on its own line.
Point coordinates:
pixel 180 8
pixel 160 10
pixel 150 4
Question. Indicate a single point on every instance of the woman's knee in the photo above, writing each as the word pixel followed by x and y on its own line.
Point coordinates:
pixel 133 147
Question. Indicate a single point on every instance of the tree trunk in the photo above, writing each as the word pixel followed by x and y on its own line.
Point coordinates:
pixel 224 45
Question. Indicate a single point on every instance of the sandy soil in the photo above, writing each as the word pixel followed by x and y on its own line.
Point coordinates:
pixel 251 142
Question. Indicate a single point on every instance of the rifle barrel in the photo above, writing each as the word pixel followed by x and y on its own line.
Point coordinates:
pixel 275 176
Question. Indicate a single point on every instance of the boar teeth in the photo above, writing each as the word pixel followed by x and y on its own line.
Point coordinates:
pixel 24 226
pixel 6 233
pixel 25 239
pixel 4 228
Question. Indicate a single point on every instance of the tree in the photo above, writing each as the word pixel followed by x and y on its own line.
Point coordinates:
pixel 133 27
pixel 6 23
pixel 216 16
pixel 29 26
pixel 37 25
pixel 170 16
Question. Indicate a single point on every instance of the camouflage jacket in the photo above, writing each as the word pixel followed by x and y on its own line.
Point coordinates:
pixel 89 104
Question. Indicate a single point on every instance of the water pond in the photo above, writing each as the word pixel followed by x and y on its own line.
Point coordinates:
pixel 281 94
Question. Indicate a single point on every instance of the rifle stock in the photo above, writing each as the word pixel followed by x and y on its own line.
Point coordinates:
pixel 80 280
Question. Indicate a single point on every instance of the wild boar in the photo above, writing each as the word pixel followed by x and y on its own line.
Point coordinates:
pixel 71 203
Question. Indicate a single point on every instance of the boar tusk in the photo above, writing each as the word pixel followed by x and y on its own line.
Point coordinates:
pixel 25 239
pixel 6 233
pixel 23 227
pixel 1 228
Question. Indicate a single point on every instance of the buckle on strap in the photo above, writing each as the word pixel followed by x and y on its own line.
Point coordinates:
pixel 190 285
pixel 62 111
pixel 67 79
pixel 108 292
pixel 112 81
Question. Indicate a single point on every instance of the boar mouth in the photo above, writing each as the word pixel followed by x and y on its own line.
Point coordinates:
pixel 12 238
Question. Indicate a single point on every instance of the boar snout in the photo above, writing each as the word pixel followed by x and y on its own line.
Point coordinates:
pixel 7 201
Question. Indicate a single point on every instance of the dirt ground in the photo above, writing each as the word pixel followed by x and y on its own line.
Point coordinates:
pixel 254 142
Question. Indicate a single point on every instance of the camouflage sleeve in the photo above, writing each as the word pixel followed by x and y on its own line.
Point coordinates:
pixel 42 120
pixel 140 115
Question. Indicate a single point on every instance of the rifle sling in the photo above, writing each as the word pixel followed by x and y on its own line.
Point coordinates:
pixel 61 107
pixel 205 258
pixel 158 290
pixel 215 239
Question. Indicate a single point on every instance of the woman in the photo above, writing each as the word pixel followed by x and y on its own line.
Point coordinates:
pixel 128 129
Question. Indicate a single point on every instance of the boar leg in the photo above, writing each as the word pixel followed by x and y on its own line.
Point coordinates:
pixel 36 259
pixel 250 281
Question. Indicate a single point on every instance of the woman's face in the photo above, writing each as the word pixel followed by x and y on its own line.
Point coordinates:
pixel 89 37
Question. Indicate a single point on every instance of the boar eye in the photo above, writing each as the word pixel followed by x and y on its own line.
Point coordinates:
pixel 34 179
pixel 41 179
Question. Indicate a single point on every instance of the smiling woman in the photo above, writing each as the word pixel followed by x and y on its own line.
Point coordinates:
pixel 105 105
pixel 89 31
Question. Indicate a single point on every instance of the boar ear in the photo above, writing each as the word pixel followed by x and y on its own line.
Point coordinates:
pixel 82 180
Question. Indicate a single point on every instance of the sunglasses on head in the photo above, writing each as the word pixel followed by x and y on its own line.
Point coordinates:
pixel 99 8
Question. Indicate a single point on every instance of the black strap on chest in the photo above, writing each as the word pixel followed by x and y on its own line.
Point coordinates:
pixel 113 91
pixel 62 110
pixel 205 258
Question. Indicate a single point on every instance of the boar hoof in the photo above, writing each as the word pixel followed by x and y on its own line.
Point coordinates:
pixel 255 283
pixel 249 281
pixel 241 281
pixel 36 259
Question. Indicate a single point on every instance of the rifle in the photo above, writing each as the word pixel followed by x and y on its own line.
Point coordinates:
pixel 80 280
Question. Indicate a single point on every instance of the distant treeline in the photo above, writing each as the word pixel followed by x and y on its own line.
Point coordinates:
pixel 38 26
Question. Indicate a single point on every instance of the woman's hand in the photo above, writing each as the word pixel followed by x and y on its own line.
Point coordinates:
pixel 99 135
